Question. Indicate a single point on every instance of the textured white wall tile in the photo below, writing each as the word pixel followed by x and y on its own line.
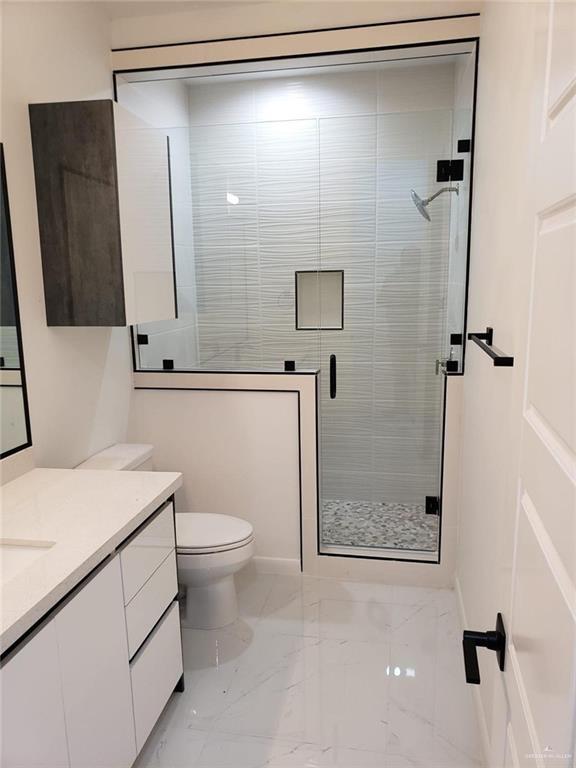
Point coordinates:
pixel 411 87
pixel 222 102
pixel 300 173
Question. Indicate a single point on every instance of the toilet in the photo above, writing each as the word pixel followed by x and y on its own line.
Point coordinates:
pixel 210 548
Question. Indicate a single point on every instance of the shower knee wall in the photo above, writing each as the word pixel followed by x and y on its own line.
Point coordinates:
pixel 239 452
pixel 239 455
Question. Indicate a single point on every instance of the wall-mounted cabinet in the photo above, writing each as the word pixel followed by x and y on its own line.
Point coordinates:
pixel 104 210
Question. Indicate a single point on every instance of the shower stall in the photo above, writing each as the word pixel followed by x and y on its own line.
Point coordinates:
pixel 321 211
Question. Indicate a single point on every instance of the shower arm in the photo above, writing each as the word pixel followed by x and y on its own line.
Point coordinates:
pixel 439 192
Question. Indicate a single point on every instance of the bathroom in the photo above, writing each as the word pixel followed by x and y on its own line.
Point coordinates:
pixel 311 321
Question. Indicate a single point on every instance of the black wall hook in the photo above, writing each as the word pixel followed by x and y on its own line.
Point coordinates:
pixel 494 641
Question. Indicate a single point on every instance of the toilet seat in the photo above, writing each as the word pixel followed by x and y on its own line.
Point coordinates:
pixel 200 533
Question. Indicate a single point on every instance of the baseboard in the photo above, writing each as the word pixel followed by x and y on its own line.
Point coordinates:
pixel 480 714
pixel 278 565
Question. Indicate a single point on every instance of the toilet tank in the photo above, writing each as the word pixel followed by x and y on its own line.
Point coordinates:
pixel 122 456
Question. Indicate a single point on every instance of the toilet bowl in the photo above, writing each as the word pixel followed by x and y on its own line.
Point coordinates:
pixel 210 548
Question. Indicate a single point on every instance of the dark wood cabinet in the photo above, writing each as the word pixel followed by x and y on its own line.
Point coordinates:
pixel 104 210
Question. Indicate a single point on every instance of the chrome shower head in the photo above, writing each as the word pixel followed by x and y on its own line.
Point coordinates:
pixel 421 205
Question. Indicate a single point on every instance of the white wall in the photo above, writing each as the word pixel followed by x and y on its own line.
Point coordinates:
pixel 78 378
pixel 238 452
pixel 161 22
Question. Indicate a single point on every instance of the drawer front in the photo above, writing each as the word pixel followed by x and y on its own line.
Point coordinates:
pixel 155 672
pixel 146 607
pixel 142 556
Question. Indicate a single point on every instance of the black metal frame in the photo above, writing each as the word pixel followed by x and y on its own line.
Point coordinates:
pixel 471 150
pixel 172 239
pixel 476 41
pixel 10 241
pixel 318 272
pixel 441 484
pixel 287 57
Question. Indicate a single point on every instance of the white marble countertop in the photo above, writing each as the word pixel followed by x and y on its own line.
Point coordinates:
pixel 80 517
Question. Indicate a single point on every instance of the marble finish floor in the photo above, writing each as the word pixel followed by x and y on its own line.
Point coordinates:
pixel 378 525
pixel 320 672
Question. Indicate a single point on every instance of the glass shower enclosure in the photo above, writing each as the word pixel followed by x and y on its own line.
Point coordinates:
pixel 321 218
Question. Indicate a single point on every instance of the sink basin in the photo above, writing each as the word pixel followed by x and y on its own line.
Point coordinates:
pixel 18 554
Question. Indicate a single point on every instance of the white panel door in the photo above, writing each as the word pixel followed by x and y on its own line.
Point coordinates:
pixel 96 685
pixel 32 728
pixel 537 694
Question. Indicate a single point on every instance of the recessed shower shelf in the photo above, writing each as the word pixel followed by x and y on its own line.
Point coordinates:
pixel 484 341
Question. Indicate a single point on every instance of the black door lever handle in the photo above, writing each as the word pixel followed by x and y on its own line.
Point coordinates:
pixel 494 641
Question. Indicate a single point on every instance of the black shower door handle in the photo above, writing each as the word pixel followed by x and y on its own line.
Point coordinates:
pixel 332 377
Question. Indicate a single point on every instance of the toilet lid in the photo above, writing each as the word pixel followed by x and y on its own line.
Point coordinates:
pixel 207 532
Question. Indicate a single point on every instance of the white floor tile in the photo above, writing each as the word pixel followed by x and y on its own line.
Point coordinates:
pixel 319 672
pixel 172 748
pixel 223 751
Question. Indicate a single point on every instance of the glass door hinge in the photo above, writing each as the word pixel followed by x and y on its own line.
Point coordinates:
pixel 432 505
pixel 449 170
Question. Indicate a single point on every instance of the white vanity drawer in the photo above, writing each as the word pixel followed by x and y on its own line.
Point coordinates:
pixel 146 607
pixel 144 553
pixel 155 672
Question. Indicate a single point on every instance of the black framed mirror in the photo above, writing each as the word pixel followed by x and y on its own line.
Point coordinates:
pixel 15 431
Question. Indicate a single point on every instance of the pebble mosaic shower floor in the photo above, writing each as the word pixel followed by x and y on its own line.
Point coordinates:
pixel 378 525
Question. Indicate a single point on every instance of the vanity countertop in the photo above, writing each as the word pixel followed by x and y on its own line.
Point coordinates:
pixel 57 525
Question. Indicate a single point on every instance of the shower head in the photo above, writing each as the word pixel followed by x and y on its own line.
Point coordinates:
pixel 421 204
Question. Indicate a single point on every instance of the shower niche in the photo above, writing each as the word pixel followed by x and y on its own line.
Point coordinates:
pixel 312 225
pixel 319 300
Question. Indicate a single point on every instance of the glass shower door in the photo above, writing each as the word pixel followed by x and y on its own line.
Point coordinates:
pixel 381 430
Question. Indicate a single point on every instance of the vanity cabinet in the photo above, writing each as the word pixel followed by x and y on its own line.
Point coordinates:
pixel 32 725
pixel 67 694
pixel 155 671
pixel 95 675
pixel 86 687
pixel 150 581
pixel 104 211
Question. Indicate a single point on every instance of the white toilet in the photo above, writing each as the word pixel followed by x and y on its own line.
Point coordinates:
pixel 210 548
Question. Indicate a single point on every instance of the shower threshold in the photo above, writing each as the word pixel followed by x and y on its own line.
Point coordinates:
pixel 365 528
pixel 371 553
